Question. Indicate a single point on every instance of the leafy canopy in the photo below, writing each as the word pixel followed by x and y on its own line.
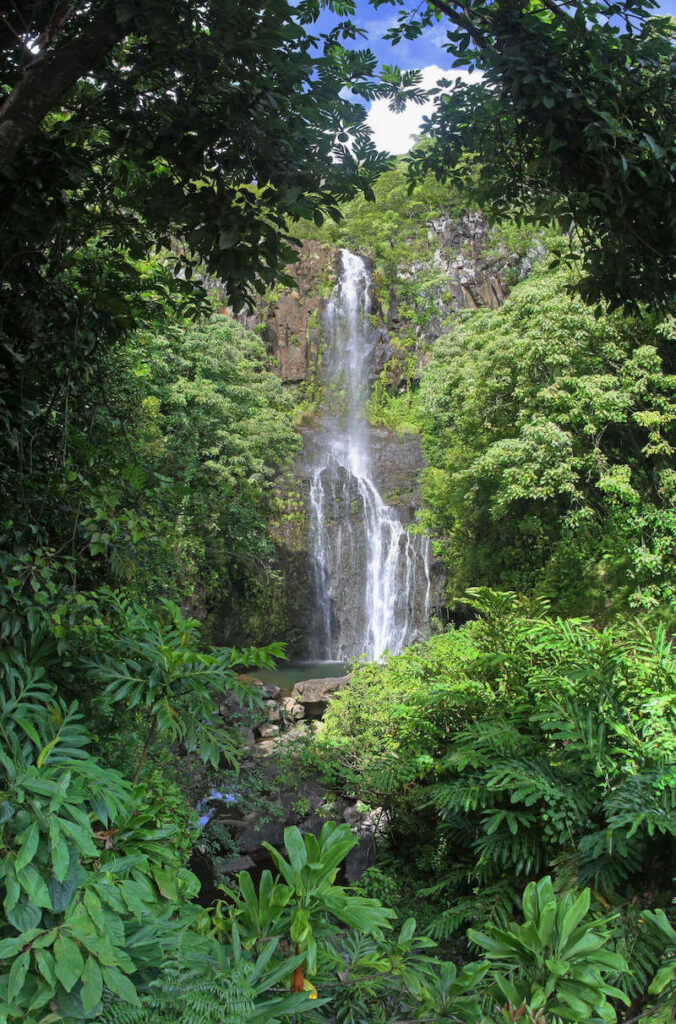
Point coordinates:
pixel 550 437
pixel 571 115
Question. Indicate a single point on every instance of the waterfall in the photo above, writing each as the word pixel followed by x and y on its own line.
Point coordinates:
pixel 371 575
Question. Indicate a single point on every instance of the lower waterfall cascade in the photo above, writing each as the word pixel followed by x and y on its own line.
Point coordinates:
pixel 371 574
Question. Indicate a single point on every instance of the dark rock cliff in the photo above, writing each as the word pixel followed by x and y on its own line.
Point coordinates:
pixel 290 317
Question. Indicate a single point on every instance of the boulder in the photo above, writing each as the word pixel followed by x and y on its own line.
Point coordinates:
pixel 230 867
pixel 268 731
pixel 247 737
pixel 315 694
pixel 250 842
pixel 265 748
pixel 270 692
pixel 292 710
pixel 273 710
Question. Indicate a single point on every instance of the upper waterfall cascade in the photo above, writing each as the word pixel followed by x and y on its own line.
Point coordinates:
pixel 371 574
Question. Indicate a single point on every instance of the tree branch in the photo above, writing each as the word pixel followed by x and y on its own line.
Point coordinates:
pixel 449 10
pixel 41 86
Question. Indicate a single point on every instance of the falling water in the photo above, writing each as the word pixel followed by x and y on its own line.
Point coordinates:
pixel 371 576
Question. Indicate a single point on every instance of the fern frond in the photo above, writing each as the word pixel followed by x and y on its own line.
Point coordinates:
pixel 461 795
pixel 494 904
pixel 522 854
pixel 643 802
pixel 479 744
pixel 607 858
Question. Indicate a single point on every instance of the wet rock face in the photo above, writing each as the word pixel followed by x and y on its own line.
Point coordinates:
pixel 467 275
pixel 396 464
pixel 291 323
pixel 475 280
pixel 397 461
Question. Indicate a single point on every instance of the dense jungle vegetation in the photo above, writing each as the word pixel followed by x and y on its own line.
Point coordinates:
pixel 525 760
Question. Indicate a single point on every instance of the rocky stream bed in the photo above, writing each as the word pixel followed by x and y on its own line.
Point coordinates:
pixel 269 734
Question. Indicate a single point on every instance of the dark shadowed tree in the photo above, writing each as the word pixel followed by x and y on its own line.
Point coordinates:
pixel 573 117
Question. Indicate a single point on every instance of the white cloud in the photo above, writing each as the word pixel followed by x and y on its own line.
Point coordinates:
pixel 395 131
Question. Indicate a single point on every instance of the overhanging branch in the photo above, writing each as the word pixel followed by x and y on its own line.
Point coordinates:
pixel 42 85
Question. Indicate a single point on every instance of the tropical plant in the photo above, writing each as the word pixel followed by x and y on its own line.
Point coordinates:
pixel 215 421
pixel 153 662
pixel 525 745
pixel 549 434
pixel 303 907
pixel 206 982
pixel 87 890
pixel 555 964
pixel 663 985
pixel 73 106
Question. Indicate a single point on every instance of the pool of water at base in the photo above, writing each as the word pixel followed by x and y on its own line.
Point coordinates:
pixel 286 675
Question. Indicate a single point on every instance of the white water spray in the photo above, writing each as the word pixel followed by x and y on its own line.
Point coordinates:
pixel 371 576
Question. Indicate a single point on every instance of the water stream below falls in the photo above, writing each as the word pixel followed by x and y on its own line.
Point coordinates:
pixel 371 574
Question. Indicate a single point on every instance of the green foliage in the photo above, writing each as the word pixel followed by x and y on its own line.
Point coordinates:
pixel 92 878
pixel 398 412
pixel 238 966
pixel 100 151
pixel 664 982
pixel 393 231
pixel 550 435
pixel 572 118
pixel 216 424
pixel 153 663
pixel 87 885
pixel 205 982
pixel 310 892
pixel 386 730
pixel 361 974
pixel 554 965
pixel 517 745
pixel 163 480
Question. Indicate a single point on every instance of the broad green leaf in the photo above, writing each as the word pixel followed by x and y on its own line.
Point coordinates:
pixel 295 848
pixel 34 885
pixel 17 976
pixel 68 961
pixel 9 947
pixel 45 964
pixel 13 889
pixel 45 751
pixel 29 845
pixel 92 985
pixel 664 977
pixel 95 910
pixel 29 729
pixel 24 916
pixel 301 928
pixel 572 918
pixel 80 836
pixel 120 985
pixel 59 850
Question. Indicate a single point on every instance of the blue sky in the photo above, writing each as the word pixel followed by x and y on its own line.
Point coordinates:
pixel 394 131
pixel 421 52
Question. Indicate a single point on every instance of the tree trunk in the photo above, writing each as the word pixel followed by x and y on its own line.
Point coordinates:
pixel 44 83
